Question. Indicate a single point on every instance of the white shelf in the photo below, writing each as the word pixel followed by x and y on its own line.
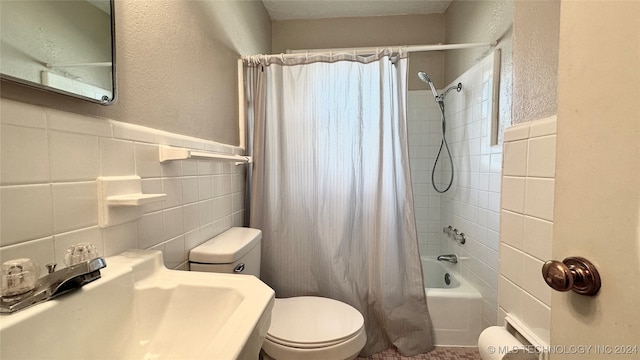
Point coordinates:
pixel 169 153
pixel 135 199
pixel 120 199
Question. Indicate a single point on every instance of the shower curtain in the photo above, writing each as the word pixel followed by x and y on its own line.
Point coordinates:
pixel 331 189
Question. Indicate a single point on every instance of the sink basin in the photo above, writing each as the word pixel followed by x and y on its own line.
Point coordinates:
pixel 141 310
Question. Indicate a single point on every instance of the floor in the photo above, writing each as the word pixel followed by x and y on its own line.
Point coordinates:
pixel 439 353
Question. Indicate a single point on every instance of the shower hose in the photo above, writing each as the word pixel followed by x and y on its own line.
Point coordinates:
pixel 443 143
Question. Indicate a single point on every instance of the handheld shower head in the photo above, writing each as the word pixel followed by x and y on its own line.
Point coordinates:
pixel 424 77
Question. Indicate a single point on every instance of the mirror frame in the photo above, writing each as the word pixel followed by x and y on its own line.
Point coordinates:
pixel 110 101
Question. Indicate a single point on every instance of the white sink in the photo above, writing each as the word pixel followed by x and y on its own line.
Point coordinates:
pixel 141 310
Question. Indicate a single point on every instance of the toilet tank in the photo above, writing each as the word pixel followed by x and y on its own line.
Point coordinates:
pixel 235 251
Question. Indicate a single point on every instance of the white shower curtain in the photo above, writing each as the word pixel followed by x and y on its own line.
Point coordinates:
pixel 331 189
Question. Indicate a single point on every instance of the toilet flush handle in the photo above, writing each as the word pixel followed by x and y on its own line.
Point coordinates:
pixel 573 273
pixel 239 268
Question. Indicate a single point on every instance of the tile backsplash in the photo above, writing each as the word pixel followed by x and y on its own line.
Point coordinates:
pixel 527 222
pixel 49 162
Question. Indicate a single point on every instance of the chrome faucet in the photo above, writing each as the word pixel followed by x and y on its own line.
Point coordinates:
pixel 452 258
pixel 54 284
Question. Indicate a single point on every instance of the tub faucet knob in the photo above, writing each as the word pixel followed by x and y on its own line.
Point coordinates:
pixel 448 230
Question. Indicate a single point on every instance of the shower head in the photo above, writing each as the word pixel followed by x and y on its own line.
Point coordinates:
pixel 424 77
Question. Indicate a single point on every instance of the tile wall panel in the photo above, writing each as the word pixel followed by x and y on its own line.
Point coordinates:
pixel 49 163
pixel 527 223
pixel 473 203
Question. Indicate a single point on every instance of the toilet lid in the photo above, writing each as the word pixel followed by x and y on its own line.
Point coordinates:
pixel 311 322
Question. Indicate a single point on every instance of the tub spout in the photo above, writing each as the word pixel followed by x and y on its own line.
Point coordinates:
pixel 452 258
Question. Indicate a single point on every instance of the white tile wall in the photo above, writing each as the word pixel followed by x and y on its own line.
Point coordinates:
pixel 50 161
pixel 424 139
pixel 527 222
pixel 473 203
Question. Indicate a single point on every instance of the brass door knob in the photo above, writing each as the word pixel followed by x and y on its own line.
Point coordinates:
pixel 573 273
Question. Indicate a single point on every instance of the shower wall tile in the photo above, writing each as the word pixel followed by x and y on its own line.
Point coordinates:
pixel 472 205
pixel 424 138
pixel 527 227
pixel 50 160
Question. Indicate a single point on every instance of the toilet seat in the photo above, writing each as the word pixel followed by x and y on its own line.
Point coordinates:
pixel 309 322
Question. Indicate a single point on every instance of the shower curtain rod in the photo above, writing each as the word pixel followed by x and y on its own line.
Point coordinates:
pixel 375 50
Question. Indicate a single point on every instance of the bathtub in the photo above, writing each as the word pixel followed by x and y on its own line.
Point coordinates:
pixel 455 308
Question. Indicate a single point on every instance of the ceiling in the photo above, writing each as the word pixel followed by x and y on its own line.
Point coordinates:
pixel 322 9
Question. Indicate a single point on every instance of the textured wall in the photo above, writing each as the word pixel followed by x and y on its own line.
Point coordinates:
pixel 176 66
pixel 482 21
pixel 476 21
pixel 369 32
pixel 529 66
pixel 535 59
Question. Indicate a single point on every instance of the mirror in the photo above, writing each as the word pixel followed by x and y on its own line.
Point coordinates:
pixel 64 46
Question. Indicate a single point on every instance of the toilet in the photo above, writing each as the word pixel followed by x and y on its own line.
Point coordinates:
pixel 303 327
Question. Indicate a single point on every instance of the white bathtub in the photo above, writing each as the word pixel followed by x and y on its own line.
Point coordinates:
pixel 455 308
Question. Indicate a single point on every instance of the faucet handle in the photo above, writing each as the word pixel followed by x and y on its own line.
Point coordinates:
pixel 18 276
pixel 51 267
pixel 79 253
